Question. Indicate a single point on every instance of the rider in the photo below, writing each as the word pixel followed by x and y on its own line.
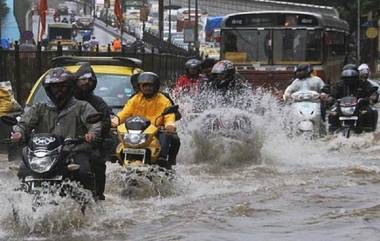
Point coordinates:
pixel 351 85
pixel 85 85
pixel 225 78
pixel 63 116
pixel 304 80
pixel 364 73
pixel 135 86
pixel 191 81
pixel 150 103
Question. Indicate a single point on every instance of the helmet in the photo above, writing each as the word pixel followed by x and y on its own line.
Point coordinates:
pixel 134 82
pixel 193 64
pixel 64 80
pixel 350 66
pixel 193 68
pixel 350 76
pixel 224 71
pixel 303 71
pixel 363 71
pixel 149 78
pixel 86 72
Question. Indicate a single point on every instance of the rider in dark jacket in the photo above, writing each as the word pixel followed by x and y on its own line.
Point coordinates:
pixel 351 85
pixel 64 116
pixel 85 84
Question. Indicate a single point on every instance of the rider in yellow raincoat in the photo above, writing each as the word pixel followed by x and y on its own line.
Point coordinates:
pixel 150 103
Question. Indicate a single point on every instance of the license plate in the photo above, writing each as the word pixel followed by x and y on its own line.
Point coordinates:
pixel 348 118
pixel 134 151
pixel 32 178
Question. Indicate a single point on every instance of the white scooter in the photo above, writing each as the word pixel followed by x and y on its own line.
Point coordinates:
pixel 306 108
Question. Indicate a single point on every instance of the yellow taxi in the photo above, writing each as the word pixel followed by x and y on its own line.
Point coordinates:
pixel 113 75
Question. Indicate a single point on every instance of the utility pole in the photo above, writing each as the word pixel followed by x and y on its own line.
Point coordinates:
pixel 160 19
pixel 358 36
pixel 196 38
pixel 170 22
pixel 189 22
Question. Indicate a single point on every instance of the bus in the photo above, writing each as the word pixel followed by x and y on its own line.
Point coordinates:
pixel 265 46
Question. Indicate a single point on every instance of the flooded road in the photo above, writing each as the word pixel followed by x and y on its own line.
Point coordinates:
pixel 264 185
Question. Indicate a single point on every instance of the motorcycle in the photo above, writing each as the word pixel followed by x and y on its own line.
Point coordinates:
pixel 49 163
pixel 139 144
pixel 138 151
pixel 306 108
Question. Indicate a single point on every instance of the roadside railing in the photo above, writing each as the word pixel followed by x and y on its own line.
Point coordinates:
pixel 23 67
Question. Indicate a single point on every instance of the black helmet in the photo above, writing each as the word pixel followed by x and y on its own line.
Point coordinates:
pixel 223 72
pixel 193 64
pixel 134 82
pixel 303 71
pixel 59 76
pixel 85 72
pixel 350 76
pixel 208 63
pixel 149 78
pixel 350 66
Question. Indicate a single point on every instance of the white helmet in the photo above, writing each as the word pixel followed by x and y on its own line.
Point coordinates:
pixel 363 70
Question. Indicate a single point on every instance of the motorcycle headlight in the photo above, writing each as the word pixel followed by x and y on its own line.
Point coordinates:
pixel 135 138
pixel 42 161
pixel 348 110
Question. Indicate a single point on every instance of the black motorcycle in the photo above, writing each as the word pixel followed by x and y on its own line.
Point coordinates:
pixel 354 115
pixel 49 164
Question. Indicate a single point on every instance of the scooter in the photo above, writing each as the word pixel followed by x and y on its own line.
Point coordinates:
pixel 306 109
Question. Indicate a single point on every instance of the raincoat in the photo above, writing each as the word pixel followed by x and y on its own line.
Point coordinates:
pixel 150 108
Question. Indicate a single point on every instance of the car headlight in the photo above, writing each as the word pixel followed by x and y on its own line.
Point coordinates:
pixel 135 138
pixel 348 110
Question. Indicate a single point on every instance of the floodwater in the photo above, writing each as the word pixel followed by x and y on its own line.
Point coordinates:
pixel 260 185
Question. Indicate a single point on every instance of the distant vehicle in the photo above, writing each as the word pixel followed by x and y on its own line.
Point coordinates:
pixel 63 9
pixel 267 45
pixel 85 23
pixel 62 32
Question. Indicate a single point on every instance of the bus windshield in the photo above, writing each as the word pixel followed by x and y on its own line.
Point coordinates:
pixel 294 46
pixel 272 46
pixel 246 46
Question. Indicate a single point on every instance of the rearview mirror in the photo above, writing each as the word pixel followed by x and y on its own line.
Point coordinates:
pixel 9 120
pixel 94 118
pixel 170 110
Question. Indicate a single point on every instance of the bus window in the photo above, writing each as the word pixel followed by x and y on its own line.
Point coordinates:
pixel 252 44
pixel 335 43
pixel 294 46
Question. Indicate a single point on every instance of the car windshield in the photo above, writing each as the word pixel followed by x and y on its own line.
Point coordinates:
pixel 114 89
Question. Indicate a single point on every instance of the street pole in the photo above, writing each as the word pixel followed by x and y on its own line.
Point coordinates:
pixel 196 38
pixel 170 22
pixel 160 19
pixel 189 21
pixel 358 36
